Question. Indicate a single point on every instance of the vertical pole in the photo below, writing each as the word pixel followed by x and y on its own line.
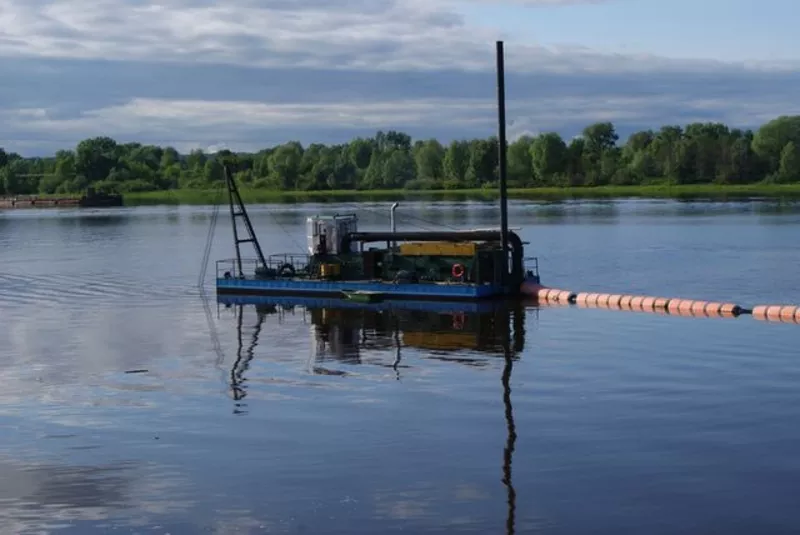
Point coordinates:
pixel 501 143
pixel 394 223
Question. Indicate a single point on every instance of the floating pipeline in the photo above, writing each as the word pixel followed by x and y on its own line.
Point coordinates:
pixel 551 295
pixel 660 305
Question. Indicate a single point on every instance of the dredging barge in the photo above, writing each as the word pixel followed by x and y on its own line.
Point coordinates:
pixel 437 265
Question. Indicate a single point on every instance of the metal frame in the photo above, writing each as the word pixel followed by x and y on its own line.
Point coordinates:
pixel 234 196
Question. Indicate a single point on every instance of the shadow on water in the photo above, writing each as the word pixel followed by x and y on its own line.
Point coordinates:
pixel 454 333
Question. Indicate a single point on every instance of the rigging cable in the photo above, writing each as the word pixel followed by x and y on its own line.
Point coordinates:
pixel 286 231
pixel 212 330
pixel 210 238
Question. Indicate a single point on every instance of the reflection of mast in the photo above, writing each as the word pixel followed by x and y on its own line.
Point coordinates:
pixel 398 344
pixel 511 436
pixel 243 357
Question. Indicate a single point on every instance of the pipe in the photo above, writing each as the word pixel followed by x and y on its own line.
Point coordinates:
pixel 393 221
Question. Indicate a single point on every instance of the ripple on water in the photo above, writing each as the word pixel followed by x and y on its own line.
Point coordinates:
pixel 88 290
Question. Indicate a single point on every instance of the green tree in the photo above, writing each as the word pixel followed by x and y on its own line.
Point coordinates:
pixel 771 139
pixel 520 163
pixel 429 159
pixel 549 157
pixel 789 170
pixel 697 153
pixel 456 163
pixel 96 157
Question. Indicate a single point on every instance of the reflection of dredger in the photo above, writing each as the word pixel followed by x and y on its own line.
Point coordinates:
pixel 441 341
pixel 344 330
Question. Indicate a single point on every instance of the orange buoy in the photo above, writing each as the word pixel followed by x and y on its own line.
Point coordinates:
pixel 545 293
pixel 567 296
pixel 648 303
pixel 788 312
pixel 552 294
pixel 586 300
pixel 625 302
pixel 699 308
pixel 548 295
pixel 661 303
pixel 730 309
pixel 780 313
pixel 774 312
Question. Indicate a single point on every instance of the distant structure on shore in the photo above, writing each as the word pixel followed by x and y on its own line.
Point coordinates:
pixel 92 199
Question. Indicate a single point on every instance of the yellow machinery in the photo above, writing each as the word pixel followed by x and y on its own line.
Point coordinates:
pixel 328 271
pixel 438 248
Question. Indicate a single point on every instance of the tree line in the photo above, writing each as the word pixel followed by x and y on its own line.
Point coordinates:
pixel 699 153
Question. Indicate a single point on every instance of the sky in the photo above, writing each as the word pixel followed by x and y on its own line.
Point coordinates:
pixel 249 74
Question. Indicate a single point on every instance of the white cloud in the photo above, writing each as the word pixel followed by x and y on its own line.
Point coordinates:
pixel 250 73
pixel 376 34
pixel 237 123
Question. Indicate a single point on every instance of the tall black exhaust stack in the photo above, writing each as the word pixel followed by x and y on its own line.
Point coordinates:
pixel 501 143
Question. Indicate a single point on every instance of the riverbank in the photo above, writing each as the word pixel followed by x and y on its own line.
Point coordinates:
pixel 258 196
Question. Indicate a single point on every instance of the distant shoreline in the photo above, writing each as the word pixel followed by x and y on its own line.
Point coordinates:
pixel 678 192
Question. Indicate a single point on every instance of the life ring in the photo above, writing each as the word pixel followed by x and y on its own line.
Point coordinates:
pixel 458 321
pixel 458 271
pixel 286 270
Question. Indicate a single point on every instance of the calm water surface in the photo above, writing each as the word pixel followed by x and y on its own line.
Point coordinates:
pixel 292 420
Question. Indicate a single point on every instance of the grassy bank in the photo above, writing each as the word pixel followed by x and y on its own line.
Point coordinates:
pixel 253 196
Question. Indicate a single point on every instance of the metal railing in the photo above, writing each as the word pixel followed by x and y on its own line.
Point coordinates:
pixel 277 265
pixel 531 265
pixel 289 265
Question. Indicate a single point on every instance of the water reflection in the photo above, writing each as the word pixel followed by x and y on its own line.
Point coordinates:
pixel 447 332
pixel 42 498
pixel 342 332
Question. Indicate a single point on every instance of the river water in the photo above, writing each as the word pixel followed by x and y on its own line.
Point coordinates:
pixel 129 404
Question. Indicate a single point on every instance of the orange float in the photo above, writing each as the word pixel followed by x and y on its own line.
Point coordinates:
pixel 777 313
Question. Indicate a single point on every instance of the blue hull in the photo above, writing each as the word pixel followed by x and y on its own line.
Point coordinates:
pixel 335 288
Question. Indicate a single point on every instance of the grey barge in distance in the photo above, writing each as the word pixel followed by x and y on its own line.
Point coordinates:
pixel 91 199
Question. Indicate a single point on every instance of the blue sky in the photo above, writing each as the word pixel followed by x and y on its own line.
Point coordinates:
pixel 246 74
pixel 726 30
